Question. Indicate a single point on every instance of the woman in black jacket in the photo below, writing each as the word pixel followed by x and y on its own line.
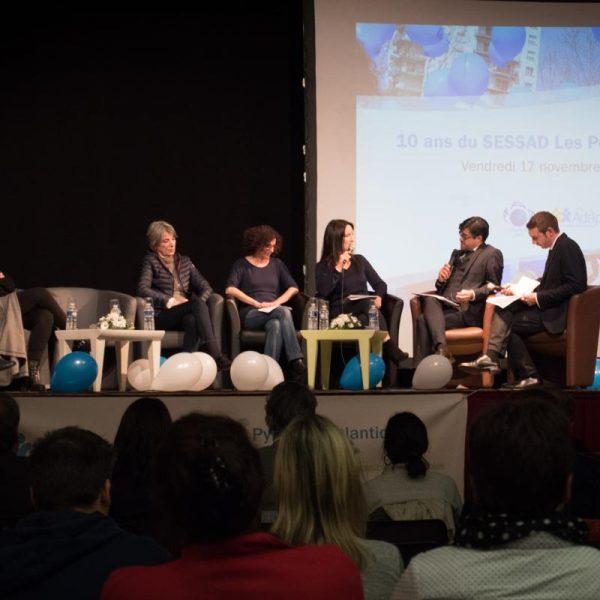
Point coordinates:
pixel 340 274
pixel 179 292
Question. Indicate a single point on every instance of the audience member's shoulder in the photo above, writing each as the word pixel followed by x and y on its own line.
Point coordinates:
pixel 142 549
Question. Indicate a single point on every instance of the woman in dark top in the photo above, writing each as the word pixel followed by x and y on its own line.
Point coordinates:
pixel 143 428
pixel 260 281
pixel 179 292
pixel 340 274
pixel 41 315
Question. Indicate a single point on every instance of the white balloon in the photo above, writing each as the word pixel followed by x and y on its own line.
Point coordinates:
pixel 275 374
pixel 138 375
pixel 249 371
pixel 433 373
pixel 178 373
pixel 209 371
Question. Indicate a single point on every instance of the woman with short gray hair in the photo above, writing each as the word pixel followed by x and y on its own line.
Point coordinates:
pixel 179 292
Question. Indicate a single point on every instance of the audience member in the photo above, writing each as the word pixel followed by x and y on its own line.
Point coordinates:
pixel 143 428
pixel 68 548
pixel 210 482
pixel 15 500
pixel 518 543
pixel 407 489
pixel 320 500
pixel 286 401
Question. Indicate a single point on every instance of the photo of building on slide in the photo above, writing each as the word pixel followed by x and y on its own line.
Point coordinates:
pixel 456 121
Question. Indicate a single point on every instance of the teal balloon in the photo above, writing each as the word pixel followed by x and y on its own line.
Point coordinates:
pixel 596 383
pixel 469 75
pixel 351 378
pixel 437 49
pixel 74 372
pixel 426 35
pixel 163 360
pixel 508 41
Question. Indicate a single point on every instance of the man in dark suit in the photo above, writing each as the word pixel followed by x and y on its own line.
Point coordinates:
pixel 565 275
pixel 475 271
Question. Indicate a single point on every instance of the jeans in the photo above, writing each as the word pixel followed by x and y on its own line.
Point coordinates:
pixel 280 330
pixel 191 317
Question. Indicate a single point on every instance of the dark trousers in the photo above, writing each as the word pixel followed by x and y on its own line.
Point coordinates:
pixel 41 315
pixel 360 309
pixel 432 325
pixel 191 317
pixel 509 326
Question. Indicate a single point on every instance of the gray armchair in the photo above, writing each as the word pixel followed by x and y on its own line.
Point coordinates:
pixel 174 339
pixel 92 304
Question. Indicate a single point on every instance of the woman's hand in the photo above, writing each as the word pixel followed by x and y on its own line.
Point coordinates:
pixel 343 260
pixel 377 301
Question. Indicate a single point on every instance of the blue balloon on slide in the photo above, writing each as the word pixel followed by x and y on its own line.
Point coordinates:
pixel 74 372
pixel 469 75
pixel 438 49
pixel 426 35
pixel 351 378
pixel 373 36
pixel 596 32
pixel 437 84
pixel 495 57
pixel 596 383
pixel 508 41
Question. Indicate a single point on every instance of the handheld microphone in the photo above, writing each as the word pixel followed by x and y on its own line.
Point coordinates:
pixel 453 258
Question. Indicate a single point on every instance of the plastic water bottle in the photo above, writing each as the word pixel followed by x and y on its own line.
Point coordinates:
pixel 148 315
pixel 72 315
pixel 313 315
pixel 115 307
pixel 373 316
pixel 324 315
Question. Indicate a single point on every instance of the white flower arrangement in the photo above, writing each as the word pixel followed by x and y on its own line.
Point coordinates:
pixel 345 321
pixel 114 320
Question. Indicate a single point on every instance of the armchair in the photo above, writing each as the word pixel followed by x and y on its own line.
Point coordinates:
pixel 466 342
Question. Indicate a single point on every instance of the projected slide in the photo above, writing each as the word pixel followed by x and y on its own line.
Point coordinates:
pixel 456 121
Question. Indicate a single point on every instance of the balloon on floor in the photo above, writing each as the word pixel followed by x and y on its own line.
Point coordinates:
pixel 249 371
pixel 351 378
pixel 433 373
pixel 74 372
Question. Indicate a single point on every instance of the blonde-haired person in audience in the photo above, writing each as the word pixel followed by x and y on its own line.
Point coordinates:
pixel 517 542
pixel 320 500
pixel 408 490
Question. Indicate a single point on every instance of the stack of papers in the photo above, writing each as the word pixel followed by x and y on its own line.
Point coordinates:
pixel 524 286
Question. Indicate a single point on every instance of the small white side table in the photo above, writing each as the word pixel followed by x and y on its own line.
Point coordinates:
pixel 121 338
pixel 368 339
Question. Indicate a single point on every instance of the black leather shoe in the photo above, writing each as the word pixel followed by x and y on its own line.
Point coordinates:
pixel 393 353
pixel 443 350
pixel 297 370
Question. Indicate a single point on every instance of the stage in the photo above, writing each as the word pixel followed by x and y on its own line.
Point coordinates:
pixel 362 415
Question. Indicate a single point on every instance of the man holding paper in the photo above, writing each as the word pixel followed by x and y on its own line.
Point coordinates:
pixel 544 309
pixel 463 285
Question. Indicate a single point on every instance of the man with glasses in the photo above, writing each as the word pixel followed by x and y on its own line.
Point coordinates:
pixel 565 275
pixel 467 279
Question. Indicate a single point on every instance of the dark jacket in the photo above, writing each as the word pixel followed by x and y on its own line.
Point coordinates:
pixel 15 500
pixel 156 281
pixel 565 275
pixel 68 554
pixel 486 265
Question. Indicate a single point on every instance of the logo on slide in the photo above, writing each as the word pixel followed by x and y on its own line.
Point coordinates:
pixel 517 214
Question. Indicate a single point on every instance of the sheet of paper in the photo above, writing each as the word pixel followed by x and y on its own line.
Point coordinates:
pixel 525 285
pixel 354 297
pixel 441 299
pixel 269 309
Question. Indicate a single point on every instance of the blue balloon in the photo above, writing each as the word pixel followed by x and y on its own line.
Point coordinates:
pixel 495 57
pixel 437 84
pixel 469 75
pixel 74 372
pixel 596 32
pixel 426 35
pixel 596 383
pixel 163 360
pixel 373 36
pixel 351 378
pixel 438 49
pixel 508 41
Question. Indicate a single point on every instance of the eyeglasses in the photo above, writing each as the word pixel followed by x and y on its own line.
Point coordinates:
pixel 465 236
